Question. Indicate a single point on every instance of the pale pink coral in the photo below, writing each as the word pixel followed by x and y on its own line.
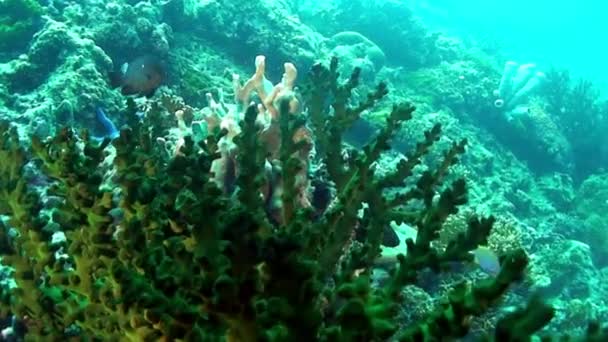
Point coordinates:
pixel 269 134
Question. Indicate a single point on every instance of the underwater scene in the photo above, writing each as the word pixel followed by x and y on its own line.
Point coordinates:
pixel 298 170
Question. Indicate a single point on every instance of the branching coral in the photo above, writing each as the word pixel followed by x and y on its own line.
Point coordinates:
pixel 190 261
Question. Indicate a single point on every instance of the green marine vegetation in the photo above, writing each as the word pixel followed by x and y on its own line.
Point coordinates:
pixel 165 254
pixel 19 20
pixel 580 113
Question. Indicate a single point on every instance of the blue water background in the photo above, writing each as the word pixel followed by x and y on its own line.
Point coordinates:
pixel 566 34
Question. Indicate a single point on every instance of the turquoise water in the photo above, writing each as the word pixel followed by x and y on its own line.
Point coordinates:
pixel 569 34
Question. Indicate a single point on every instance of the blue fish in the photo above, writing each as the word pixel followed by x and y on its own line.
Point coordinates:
pixel 110 130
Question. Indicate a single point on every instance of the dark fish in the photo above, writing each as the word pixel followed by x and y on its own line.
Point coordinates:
pixel 140 77
pixel 389 237
pixel 360 133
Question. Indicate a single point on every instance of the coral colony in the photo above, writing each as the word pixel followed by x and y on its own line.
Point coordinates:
pixel 156 185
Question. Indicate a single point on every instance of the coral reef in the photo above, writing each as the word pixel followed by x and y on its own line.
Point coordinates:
pixel 268 28
pixel 186 260
pixel 123 30
pixel 540 170
pixel 355 50
pixel 62 76
pixel 591 200
pixel 61 79
pixel 576 108
pixel 19 20
pixel 404 40
pixel 462 86
pixel 194 69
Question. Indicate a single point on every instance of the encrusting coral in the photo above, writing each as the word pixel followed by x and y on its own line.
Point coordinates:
pixel 19 21
pixel 170 255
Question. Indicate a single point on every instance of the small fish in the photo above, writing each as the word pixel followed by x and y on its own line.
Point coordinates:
pixel 109 129
pixel 390 238
pixel 140 77
pixel 487 260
